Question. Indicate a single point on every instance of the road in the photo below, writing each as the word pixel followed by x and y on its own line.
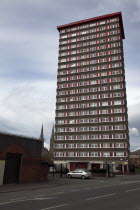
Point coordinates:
pixel 101 194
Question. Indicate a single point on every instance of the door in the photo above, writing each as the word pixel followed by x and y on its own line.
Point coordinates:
pixel 12 168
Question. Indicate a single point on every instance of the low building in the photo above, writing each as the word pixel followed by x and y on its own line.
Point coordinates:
pixel 21 159
pixel 135 157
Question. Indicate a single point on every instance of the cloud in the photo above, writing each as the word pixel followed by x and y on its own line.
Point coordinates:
pixel 134 132
pixel 26 105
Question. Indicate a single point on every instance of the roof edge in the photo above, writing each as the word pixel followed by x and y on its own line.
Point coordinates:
pixel 95 19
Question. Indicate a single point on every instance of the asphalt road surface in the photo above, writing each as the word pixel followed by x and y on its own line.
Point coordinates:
pixel 108 194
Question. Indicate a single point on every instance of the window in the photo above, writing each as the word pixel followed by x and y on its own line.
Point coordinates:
pixel 83 129
pixel 113 20
pixel 73 46
pixel 120 154
pixel 59 154
pixel 93 49
pixel 93 104
pixel 105 128
pixel 94 145
pixel 102 22
pixel 63 48
pixel 105 119
pixel 73 29
pixel 93 42
pixel 73 40
pixel 94 128
pixel 93 112
pixel 106 145
pixel 94 154
pixel 59 145
pixel 92 24
pixel 73 52
pixel 73 65
pixel 71 154
pixel 94 137
pixel 83 32
pixel 84 26
pixel 93 68
pixel 104 103
pixel 83 137
pixel 105 136
pixel 93 62
pixel 63 60
pixel 83 154
pixel 92 36
pixel 94 120
pixel 71 121
pixel 70 145
pixel 119 136
pixel 62 66
pixel 93 97
pixel 92 55
pixel 104 111
pixel 119 145
pixel 64 36
pixel 93 89
pixel 117 102
pixel 60 137
pixel 118 119
pixel 83 120
pixel 93 30
pixel 71 137
pixel 103 53
pixel 117 110
pixel 106 154
pixel 60 114
pixel 64 42
pixel 116 94
pixel 83 145
pixel 60 121
pixel 83 50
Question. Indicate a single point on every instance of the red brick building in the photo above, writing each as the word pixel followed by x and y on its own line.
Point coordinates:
pixel 21 159
pixel 91 124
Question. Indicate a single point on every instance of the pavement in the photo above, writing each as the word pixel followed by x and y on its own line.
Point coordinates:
pixel 62 181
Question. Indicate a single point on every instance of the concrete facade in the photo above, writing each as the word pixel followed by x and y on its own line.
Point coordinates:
pixel 91 124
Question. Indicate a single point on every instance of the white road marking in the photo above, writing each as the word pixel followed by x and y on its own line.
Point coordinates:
pixel 45 198
pixel 129 182
pixel 75 190
pixel 87 188
pixel 58 193
pixel 55 206
pixel 132 190
pixel 101 196
pixel 14 199
pixel 39 195
pixel 22 200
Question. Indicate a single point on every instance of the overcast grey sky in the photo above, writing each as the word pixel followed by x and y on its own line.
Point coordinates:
pixel 28 60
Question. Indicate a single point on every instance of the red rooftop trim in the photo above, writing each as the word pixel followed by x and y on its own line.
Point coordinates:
pixel 94 20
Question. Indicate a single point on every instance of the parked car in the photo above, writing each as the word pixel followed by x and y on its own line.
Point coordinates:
pixel 52 170
pixel 79 173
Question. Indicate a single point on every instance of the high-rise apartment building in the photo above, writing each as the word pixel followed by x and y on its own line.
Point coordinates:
pixel 91 124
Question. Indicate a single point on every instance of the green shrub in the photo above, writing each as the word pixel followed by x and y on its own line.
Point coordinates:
pixel 100 171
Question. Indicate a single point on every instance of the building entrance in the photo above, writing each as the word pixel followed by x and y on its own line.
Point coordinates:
pixel 12 168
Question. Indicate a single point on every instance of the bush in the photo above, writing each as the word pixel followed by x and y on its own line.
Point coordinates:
pixel 99 171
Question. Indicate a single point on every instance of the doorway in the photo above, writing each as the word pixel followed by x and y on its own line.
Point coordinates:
pixel 12 168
